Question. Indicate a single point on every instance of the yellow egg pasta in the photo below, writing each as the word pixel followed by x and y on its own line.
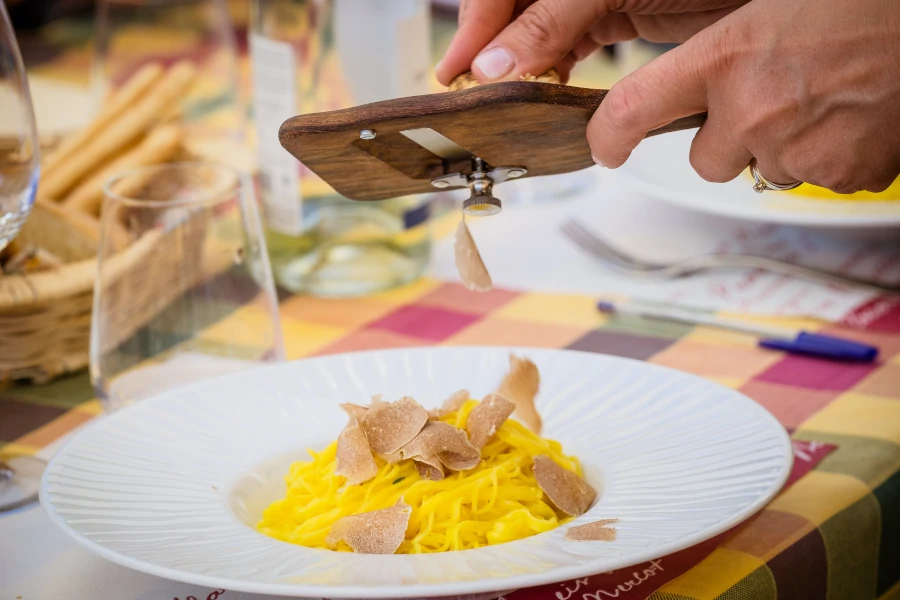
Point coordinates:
pixel 813 191
pixel 497 501
pixel 809 190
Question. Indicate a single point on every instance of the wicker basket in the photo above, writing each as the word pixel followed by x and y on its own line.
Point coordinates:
pixel 45 317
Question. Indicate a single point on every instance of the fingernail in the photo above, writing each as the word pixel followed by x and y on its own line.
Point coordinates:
pixel 494 63
pixel 437 67
pixel 598 161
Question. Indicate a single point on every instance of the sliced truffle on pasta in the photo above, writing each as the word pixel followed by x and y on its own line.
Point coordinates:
pixel 376 532
pixel 485 419
pixel 521 385
pixel 569 493
pixel 453 403
pixel 354 457
pixel 391 425
pixel 598 531
pixel 354 410
pixel 432 470
pixel 444 443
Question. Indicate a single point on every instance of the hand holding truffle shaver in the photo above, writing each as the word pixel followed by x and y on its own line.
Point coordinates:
pixel 472 136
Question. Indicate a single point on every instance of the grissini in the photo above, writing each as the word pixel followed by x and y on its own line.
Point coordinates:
pixel 120 101
pixel 159 146
pixel 130 126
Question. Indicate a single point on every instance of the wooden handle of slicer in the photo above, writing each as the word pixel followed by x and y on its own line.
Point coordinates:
pixel 539 126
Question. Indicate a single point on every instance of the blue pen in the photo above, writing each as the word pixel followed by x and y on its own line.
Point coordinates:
pixel 793 342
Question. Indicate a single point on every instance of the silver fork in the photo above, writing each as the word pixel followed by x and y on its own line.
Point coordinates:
pixel 626 264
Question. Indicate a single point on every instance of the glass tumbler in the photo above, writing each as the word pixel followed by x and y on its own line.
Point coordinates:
pixel 184 289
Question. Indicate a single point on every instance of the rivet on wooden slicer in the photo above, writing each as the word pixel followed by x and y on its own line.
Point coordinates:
pixel 440 184
pixel 367 134
pixel 514 173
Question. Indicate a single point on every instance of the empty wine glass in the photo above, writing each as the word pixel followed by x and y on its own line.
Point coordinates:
pixel 19 474
pixel 18 137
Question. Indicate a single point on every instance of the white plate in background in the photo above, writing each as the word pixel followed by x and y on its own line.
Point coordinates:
pixel 660 167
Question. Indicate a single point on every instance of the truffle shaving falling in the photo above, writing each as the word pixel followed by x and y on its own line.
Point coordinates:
pixel 567 491
pixel 376 532
pixel 469 264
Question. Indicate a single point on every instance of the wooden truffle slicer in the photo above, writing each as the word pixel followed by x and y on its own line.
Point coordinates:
pixel 475 138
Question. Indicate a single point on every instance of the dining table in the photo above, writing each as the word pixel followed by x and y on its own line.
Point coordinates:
pixel 832 533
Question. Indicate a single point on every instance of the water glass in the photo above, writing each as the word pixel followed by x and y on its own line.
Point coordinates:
pixel 184 289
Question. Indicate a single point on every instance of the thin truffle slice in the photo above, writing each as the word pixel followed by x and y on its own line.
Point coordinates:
pixel 469 264
pixel 376 532
pixel 452 404
pixel 569 493
pixel 446 443
pixel 432 470
pixel 354 410
pixel 596 531
pixel 354 457
pixel 393 457
pixel 520 386
pixel 486 418
pixel 391 425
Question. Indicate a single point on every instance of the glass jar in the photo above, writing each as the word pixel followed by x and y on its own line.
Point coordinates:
pixel 320 55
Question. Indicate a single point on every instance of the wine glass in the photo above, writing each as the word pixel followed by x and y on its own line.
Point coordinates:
pixel 19 161
pixel 19 169
pixel 184 289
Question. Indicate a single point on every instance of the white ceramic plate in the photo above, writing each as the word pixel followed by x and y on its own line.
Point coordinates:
pixel 660 167
pixel 172 486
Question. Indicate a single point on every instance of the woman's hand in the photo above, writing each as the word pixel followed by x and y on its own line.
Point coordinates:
pixel 811 90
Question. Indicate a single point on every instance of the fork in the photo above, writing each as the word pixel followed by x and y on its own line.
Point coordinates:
pixel 626 264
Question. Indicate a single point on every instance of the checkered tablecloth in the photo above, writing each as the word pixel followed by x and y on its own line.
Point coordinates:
pixel 835 533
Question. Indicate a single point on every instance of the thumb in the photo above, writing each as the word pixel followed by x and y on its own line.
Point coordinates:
pixel 538 39
pixel 669 87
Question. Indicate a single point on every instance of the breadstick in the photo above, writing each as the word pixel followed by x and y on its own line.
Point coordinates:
pixel 116 104
pixel 128 127
pixel 159 146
